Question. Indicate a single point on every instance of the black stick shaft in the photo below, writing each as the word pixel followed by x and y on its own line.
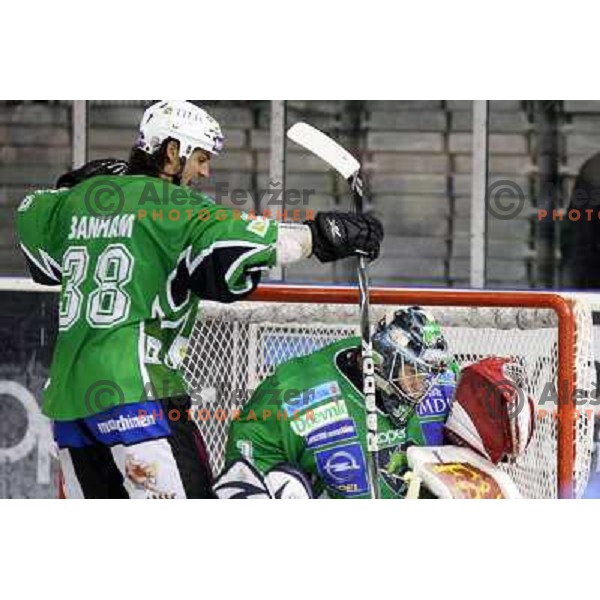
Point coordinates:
pixel 368 366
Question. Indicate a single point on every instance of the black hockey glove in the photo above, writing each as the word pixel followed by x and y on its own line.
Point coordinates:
pixel 337 235
pixel 102 166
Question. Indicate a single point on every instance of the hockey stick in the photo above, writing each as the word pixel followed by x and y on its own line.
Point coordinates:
pixel 349 168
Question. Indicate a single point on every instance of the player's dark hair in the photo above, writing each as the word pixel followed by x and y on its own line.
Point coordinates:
pixel 142 163
pixel 94 168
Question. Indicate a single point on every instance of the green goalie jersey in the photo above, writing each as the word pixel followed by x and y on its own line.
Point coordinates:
pixel 133 255
pixel 311 415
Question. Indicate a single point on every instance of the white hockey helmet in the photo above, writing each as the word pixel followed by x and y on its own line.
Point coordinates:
pixel 189 124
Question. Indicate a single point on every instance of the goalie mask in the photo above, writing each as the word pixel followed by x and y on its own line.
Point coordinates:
pixel 409 353
pixel 183 121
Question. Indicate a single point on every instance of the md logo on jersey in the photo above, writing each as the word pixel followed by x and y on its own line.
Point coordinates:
pixel 344 469
pixel 436 403
pixel 433 412
pixel 326 391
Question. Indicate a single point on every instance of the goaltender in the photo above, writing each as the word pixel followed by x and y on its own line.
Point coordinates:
pixel 303 432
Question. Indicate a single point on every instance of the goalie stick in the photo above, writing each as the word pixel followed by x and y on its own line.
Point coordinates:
pixel 348 167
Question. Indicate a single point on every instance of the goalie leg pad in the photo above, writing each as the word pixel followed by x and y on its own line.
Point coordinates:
pixel 454 472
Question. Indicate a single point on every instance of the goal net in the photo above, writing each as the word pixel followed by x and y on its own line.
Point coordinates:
pixel 234 347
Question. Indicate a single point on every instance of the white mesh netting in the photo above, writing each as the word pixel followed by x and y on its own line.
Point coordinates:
pixel 234 347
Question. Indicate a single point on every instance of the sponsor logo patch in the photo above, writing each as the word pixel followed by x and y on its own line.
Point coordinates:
pixel 126 423
pixel 326 391
pixel 259 226
pixel 344 469
pixel 436 404
pixel 330 433
pixel 129 424
pixel 393 437
pixel 315 418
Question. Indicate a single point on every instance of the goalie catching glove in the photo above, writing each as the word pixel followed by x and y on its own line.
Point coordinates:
pixel 338 235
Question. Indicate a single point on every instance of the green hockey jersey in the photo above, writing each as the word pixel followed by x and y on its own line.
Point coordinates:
pixel 311 415
pixel 133 255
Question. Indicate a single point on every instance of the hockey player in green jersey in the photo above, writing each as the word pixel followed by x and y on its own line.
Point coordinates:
pixel 133 251
pixel 305 427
